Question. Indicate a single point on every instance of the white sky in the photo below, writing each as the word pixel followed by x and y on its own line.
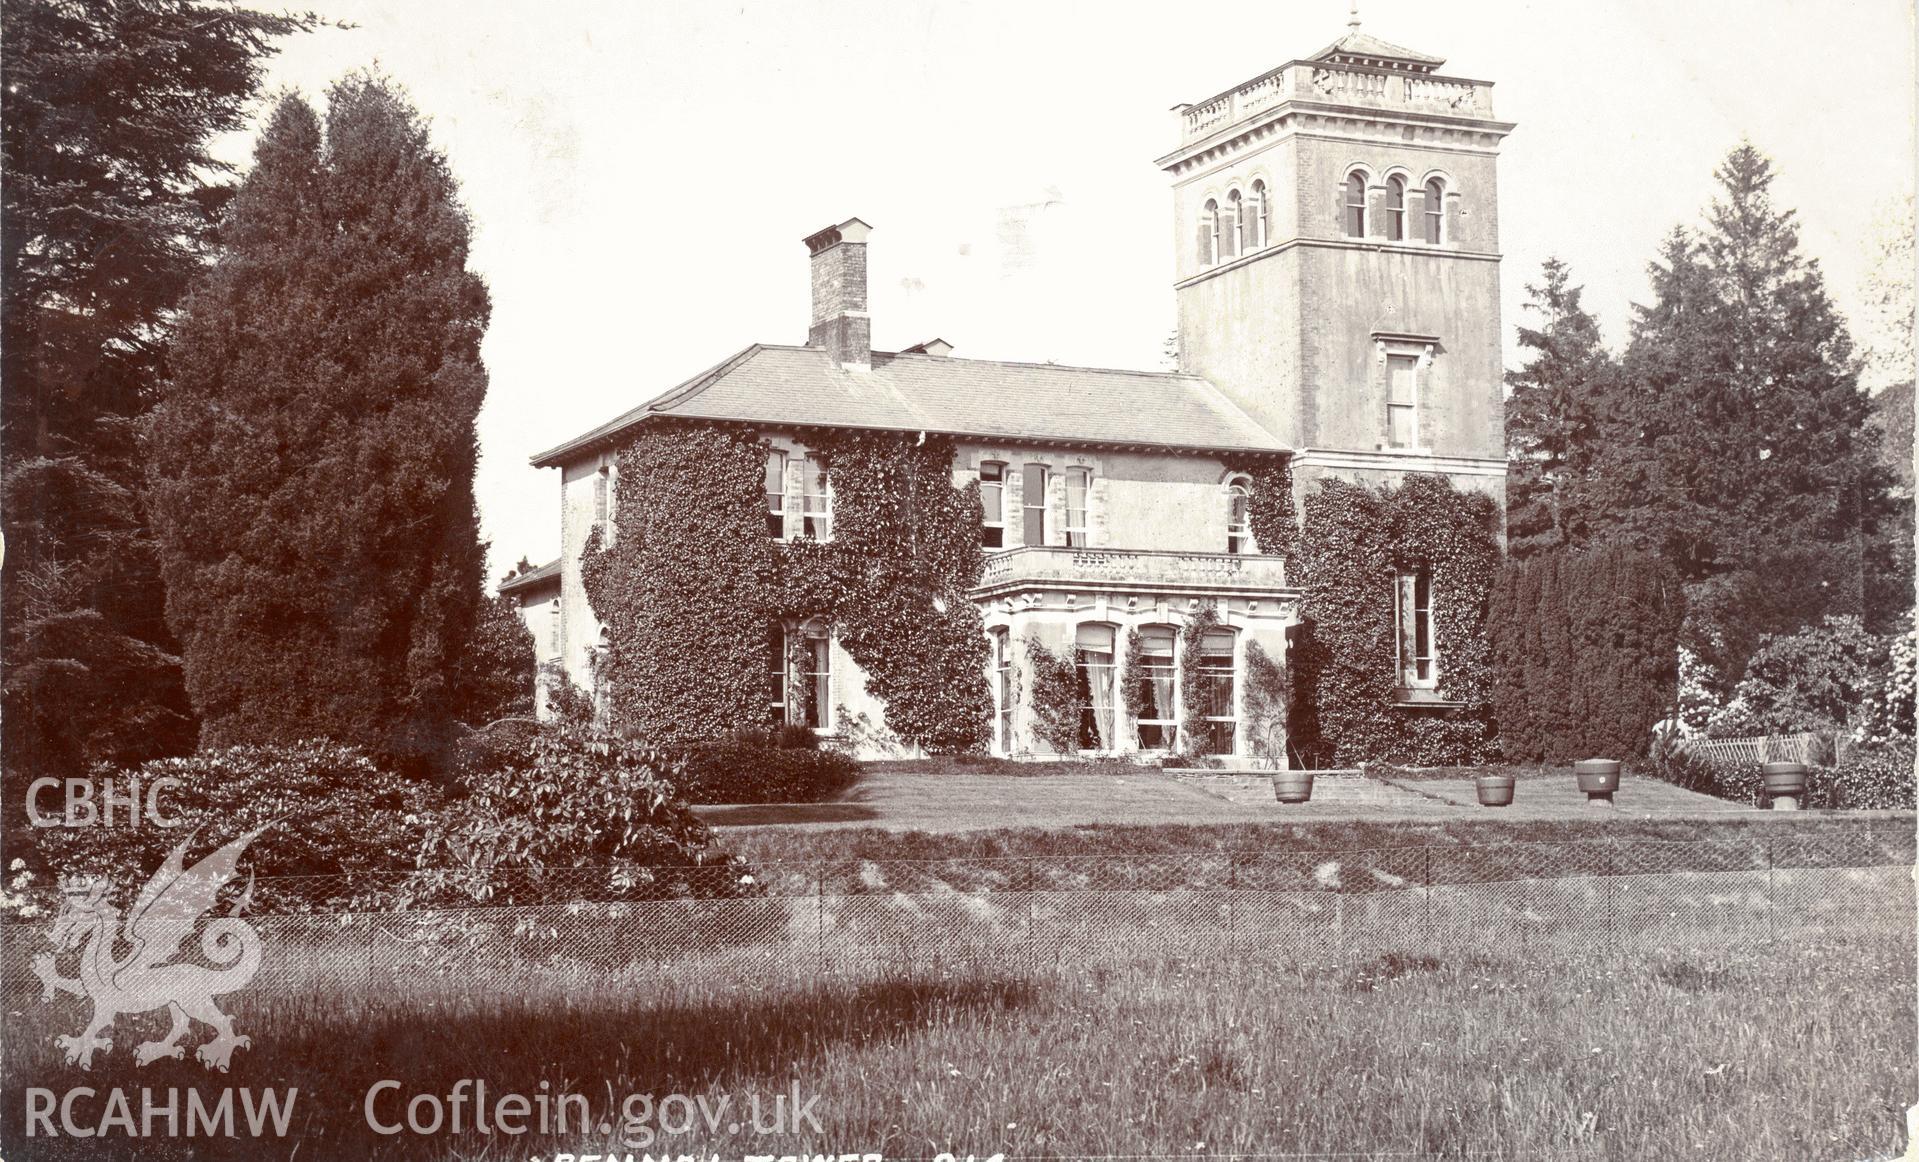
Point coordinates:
pixel 640 174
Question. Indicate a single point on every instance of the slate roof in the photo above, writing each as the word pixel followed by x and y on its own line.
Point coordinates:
pixel 1357 43
pixel 783 386
pixel 532 578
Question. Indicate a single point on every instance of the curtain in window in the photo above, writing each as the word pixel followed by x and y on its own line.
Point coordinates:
pixel 1093 661
pixel 1033 499
pixel 1003 690
pixel 1216 692
pixel 776 495
pixel 1406 604
pixel 1078 482
pixel 1153 690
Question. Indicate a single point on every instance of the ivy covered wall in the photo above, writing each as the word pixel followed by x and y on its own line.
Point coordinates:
pixel 1354 541
pixel 690 584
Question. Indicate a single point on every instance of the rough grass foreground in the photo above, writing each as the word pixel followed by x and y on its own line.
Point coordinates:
pixel 1561 1053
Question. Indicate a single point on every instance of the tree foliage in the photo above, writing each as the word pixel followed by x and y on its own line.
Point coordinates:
pixel 1584 649
pixel 1739 426
pixel 110 196
pixel 312 463
pixel 1552 418
pixel 500 665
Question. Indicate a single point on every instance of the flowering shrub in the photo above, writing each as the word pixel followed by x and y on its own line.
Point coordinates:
pixel 1886 714
pixel 326 809
pixel 1813 680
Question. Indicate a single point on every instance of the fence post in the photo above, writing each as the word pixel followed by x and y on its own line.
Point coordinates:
pixel 819 919
pixel 1772 896
pixel 1232 904
pixel 1432 935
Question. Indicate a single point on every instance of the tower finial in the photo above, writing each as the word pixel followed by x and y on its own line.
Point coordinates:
pixel 1353 23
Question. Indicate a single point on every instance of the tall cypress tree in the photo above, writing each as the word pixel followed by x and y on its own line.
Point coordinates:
pixel 312 463
pixel 1552 418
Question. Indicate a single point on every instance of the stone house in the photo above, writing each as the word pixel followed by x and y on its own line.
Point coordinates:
pixel 1337 284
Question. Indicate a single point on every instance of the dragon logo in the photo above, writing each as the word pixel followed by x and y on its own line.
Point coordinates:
pixel 163 915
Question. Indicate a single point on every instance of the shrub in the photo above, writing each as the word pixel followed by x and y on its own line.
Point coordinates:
pixel 1054 697
pixel 332 812
pixel 1812 680
pixel 1874 777
pixel 1269 695
pixel 748 772
pixel 1584 647
pixel 561 813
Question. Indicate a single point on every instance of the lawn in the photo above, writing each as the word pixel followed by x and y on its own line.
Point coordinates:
pixel 949 795
pixel 1561 1051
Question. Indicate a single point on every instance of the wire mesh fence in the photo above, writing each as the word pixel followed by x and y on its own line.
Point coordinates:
pixel 1788 890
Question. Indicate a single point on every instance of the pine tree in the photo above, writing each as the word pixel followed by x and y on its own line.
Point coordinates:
pixel 109 198
pixel 1552 414
pixel 313 459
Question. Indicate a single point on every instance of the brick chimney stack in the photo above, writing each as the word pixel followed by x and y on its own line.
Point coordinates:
pixel 840 322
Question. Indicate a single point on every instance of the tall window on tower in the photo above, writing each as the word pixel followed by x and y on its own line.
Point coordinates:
pixel 1233 229
pixel 1402 401
pixel 1209 233
pixel 1435 214
pixel 1262 227
pixel 1418 653
pixel 1396 209
pixel 1356 205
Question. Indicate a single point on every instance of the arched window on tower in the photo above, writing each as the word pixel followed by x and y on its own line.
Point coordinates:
pixel 1356 205
pixel 1234 228
pixel 1209 233
pixel 1396 209
pixel 1435 210
pixel 1262 228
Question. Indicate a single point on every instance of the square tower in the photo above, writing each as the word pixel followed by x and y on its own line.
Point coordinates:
pixel 1337 229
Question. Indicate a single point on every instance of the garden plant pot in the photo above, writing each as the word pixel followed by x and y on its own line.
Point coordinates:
pixel 1785 784
pixel 1494 790
pixel 1293 786
pixel 1599 778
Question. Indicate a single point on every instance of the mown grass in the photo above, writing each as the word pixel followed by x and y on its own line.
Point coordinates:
pixel 778 845
pixel 1561 1052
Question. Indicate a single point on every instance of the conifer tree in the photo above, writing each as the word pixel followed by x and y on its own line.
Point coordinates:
pixel 1552 418
pixel 1739 428
pixel 313 460
pixel 109 197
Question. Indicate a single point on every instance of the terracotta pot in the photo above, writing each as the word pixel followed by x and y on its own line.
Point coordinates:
pixel 1494 790
pixel 1599 778
pixel 1785 784
pixel 1293 786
